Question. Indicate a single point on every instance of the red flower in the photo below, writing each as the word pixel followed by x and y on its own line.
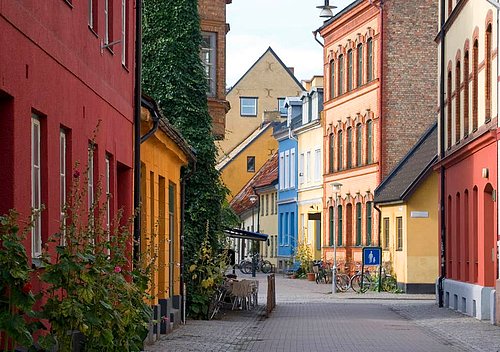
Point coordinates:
pixel 118 269
pixel 76 174
pixel 27 288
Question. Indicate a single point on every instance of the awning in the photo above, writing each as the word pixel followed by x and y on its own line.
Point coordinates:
pixel 247 235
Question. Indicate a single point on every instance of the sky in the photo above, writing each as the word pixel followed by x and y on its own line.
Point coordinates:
pixel 284 25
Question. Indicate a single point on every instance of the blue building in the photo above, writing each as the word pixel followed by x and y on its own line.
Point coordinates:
pixel 287 186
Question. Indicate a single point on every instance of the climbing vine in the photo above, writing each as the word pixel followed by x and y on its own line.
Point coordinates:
pixel 174 76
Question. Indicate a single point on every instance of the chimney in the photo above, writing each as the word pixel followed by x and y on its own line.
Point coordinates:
pixel 270 116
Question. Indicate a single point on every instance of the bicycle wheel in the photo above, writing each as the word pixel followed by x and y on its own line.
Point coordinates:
pixel 242 265
pixel 343 282
pixel 215 304
pixel 266 267
pixel 358 286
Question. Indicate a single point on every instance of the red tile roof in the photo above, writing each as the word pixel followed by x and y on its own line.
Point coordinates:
pixel 266 176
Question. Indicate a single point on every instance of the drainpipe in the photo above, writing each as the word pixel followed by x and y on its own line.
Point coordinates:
pixel 315 33
pixel 137 129
pixel 156 121
pixel 442 170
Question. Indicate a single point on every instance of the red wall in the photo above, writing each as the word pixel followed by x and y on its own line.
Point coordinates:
pixel 51 63
pixel 471 213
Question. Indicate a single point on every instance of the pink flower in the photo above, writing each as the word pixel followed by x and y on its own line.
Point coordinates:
pixel 118 269
pixel 27 288
pixel 76 174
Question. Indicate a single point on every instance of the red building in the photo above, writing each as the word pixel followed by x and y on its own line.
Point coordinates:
pixel 58 81
pixel 468 157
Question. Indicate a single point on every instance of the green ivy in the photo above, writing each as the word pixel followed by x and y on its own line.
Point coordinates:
pixel 174 76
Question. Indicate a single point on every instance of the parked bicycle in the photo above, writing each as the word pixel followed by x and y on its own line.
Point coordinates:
pixel 260 265
pixel 368 281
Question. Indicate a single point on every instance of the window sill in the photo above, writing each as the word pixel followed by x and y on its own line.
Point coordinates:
pixel 125 67
pixel 93 31
pixel 68 2
pixel 36 263
pixel 248 115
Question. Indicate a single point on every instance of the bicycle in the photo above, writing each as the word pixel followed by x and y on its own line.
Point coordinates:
pixel 216 302
pixel 260 265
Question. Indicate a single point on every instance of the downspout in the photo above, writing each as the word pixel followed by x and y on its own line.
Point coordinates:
pixel 442 170
pixel 315 33
pixel 379 244
pixel 156 122
pixel 137 129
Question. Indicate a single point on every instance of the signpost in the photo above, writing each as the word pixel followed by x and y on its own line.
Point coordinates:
pixel 372 256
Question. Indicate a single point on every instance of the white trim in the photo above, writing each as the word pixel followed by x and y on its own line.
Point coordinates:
pixel 124 32
pixel 36 192
pixel 62 183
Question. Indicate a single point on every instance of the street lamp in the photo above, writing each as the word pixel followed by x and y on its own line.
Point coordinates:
pixel 253 198
pixel 326 9
pixel 336 187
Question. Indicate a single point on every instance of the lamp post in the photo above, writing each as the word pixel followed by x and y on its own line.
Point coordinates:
pixel 253 198
pixel 336 187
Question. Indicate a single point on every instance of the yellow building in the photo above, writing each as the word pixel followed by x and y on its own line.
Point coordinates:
pixel 262 88
pixel 163 155
pixel 239 166
pixel 408 201
pixel 310 152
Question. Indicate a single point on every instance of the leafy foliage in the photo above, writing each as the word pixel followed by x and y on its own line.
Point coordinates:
pixel 174 76
pixel 92 288
pixel 305 257
pixel 16 296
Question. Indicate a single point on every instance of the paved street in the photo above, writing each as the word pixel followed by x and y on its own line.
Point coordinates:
pixel 308 318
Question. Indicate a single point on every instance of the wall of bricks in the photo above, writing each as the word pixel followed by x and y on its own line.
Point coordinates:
pixel 409 79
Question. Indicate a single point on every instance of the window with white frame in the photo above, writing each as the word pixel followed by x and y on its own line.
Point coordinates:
pixel 287 169
pixel 305 109
pixel 317 165
pixel 315 106
pixel 108 21
pixel 292 168
pixel 62 183
pixel 275 202
pixel 108 192
pixel 281 170
pixel 124 32
pixel 301 168
pixel 248 106
pixel 308 167
pixel 36 192
pixel 281 107
pixel 208 58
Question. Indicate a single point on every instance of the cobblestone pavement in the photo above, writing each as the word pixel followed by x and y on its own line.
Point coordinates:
pixel 309 318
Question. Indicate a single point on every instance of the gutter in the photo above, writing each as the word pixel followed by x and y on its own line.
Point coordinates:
pixel 442 195
pixel 156 120
pixel 137 130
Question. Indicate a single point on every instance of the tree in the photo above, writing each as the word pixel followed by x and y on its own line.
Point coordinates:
pixel 174 76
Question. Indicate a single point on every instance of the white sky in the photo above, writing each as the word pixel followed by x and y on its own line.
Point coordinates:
pixel 284 25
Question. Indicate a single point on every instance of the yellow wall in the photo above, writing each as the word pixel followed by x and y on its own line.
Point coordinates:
pixel 418 262
pixel 235 175
pixel 160 157
pixel 423 233
pixel 268 224
pixel 268 80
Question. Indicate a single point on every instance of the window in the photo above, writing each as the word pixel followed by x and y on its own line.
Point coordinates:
pixel 448 111
pixel 208 57
pixel 317 165
pixel 93 20
pixel 267 204
pixel 331 150
pixel 332 79
pixel 369 142
pixel 359 144
pixel 339 229
pixel 276 203
pixel 466 94
pixel 349 148
pixel 340 151
pixel 399 233
pixel 124 32
pixel 386 233
pixel 90 175
pixel 281 169
pixel 487 89
pixel 341 75
pixel 292 168
pixel 108 21
pixel 250 163
pixel 369 223
pixel 360 65
pixel 281 107
pixel 358 224
pixel 332 225
pixel 301 168
pixel 36 192
pixel 272 203
pixel 248 107
pixel 349 70
pixel 450 6
pixel 62 183
pixel 308 167
pixel 287 169
pixel 369 64
pixel 475 85
pixel 457 102
pixel 261 208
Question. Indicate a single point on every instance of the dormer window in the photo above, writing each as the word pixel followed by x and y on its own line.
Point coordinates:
pixel 281 107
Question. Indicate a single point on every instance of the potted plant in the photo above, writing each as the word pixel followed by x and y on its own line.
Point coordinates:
pixel 304 255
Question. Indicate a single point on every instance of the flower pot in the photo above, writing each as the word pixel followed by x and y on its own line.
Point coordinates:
pixel 310 276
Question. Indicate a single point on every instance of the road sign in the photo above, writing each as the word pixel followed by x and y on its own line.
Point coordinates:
pixel 372 256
